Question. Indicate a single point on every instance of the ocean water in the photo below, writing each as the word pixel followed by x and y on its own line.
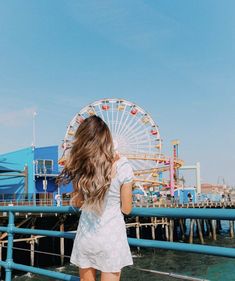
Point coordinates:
pixel 204 267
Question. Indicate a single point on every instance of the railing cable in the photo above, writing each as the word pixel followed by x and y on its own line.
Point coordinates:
pixel 170 274
pixel 38 252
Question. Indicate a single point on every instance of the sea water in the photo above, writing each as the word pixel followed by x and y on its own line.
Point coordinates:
pixel 205 267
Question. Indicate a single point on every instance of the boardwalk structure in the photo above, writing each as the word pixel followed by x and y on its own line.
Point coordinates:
pixel 177 213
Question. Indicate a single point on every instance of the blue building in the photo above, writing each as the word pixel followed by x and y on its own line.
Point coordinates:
pixel 29 174
pixel 186 195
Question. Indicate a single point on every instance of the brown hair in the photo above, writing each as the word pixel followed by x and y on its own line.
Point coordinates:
pixel 89 165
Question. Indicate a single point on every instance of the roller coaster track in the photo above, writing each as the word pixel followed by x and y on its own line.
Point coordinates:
pixel 155 157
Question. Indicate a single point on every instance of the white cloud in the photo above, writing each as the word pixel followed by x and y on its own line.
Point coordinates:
pixel 16 118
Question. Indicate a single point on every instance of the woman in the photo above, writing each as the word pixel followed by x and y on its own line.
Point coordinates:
pixel 102 184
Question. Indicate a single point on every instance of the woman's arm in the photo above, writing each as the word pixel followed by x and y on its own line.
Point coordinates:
pixel 126 198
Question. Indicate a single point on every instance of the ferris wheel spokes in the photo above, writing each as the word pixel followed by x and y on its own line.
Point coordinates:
pixel 141 137
pixel 107 119
pixel 134 130
pixel 135 124
pixel 121 120
pixel 125 123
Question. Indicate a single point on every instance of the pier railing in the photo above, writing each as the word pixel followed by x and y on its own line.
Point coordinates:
pixel 11 229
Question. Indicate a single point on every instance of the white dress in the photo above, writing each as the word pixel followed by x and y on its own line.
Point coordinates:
pixel 101 241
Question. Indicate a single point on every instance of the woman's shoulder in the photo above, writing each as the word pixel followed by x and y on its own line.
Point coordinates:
pixel 121 163
pixel 122 160
pixel 124 169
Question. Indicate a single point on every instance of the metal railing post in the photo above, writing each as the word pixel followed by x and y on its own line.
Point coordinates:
pixel 9 259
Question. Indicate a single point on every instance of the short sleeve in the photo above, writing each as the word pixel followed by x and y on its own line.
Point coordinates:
pixel 125 171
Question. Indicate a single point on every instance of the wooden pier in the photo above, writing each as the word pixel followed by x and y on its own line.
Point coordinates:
pixel 45 251
pixel 180 229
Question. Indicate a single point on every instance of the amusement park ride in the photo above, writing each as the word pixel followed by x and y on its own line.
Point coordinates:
pixel 138 138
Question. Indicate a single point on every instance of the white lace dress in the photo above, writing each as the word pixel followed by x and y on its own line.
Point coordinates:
pixel 101 241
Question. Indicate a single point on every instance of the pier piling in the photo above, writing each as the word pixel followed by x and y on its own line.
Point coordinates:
pixel 200 231
pixel 153 225
pixel 182 229
pixel 62 242
pixel 208 228
pixel 32 244
pixel 171 230
pixel 167 230
pixel 137 230
pixel 192 222
pixel 231 229
pixel 213 223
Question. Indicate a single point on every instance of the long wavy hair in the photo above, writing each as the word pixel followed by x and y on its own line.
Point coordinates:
pixel 89 164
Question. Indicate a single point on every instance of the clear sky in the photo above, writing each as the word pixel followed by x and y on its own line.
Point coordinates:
pixel 175 58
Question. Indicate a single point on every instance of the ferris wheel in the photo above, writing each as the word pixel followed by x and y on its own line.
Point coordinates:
pixel 133 129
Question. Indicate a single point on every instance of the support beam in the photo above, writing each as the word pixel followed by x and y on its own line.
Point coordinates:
pixel 197 169
pixel 172 182
pixel 62 242
pixel 198 177
pixel 26 179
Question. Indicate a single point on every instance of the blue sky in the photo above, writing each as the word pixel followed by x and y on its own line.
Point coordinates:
pixel 175 58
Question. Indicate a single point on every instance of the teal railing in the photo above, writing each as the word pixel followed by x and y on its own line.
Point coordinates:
pixel 11 229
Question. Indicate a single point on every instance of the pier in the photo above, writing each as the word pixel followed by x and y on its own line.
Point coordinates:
pixel 144 217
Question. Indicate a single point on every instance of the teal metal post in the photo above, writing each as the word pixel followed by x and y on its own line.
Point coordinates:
pixel 9 259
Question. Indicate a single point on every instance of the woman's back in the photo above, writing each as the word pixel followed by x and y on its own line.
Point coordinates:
pixel 101 240
pixel 112 202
